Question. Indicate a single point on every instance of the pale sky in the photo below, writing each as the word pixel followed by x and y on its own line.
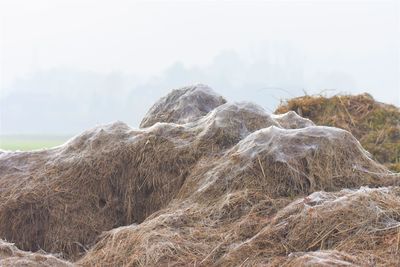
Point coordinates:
pixel 353 45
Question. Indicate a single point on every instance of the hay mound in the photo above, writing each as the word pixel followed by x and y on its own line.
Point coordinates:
pixel 11 256
pixel 183 105
pixel 363 222
pixel 61 199
pixel 234 199
pixel 288 162
pixel 203 182
pixel 229 123
pixel 375 124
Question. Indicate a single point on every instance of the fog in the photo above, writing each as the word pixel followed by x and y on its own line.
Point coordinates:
pixel 66 66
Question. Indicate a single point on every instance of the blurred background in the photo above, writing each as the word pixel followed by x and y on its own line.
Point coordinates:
pixel 66 66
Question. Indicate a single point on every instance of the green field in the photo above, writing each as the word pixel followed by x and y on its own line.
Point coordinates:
pixel 30 142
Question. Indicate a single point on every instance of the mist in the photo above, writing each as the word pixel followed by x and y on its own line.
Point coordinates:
pixel 69 65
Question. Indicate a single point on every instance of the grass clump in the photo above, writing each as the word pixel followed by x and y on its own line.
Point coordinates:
pixel 374 124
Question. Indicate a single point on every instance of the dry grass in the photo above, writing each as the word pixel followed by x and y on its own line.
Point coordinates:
pixel 322 258
pixel 375 125
pixel 11 256
pixel 232 201
pixel 183 105
pixel 230 187
pixel 61 199
pixel 364 223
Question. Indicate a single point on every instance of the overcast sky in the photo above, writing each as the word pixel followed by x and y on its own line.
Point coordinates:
pixel 346 46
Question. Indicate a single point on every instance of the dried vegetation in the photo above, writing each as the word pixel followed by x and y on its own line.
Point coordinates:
pixel 376 125
pixel 211 184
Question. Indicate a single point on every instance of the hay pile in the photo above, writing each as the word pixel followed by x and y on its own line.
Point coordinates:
pixel 183 105
pixel 363 222
pixel 11 256
pixel 214 184
pixel 375 124
pixel 61 199
pixel 232 201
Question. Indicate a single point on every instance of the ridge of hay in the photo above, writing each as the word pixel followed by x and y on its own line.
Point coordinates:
pixel 61 199
pixel 288 162
pixel 364 223
pixel 291 120
pixel 211 184
pixel 221 206
pixel 183 105
pixel 11 256
pixel 229 123
pixel 374 124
